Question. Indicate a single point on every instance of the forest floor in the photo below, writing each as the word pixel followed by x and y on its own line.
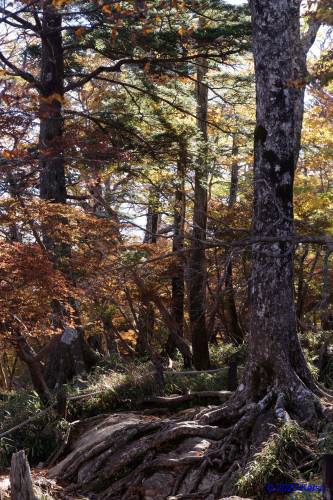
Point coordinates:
pixel 124 410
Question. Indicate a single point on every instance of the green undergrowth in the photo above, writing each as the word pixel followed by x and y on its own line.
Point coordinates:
pixel 121 387
pixel 275 463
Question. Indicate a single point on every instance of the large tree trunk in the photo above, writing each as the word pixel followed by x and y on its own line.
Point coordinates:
pixel 275 357
pixel 64 361
pixel 276 372
pixel 197 260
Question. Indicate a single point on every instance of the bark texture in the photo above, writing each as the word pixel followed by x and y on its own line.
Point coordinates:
pixel 197 260
pixel 178 279
pixel 146 316
pixel 237 334
pixel 52 178
pixel 74 358
pixel 276 377
pixel 20 478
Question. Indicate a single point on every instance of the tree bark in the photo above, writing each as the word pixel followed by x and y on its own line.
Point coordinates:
pixel 197 260
pixel 178 288
pixel 275 356
pixel 64 361
pixel 20 478
pixel 236 330
pixel 146 316
pixel 153 217
pixel 234 173
pixel 52 177
pixel 33 362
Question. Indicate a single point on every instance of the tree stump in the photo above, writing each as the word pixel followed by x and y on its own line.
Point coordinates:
pixel 20 478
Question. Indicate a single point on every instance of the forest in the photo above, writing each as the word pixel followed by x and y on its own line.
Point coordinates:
pixel 166 217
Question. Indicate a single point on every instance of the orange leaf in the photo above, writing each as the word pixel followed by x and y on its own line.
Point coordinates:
pixel 147 66
pixel 114 33
pixel 183 5
pixel 175 4
pixel 106 8
pixel 181 31
pixel 58 97
pixel 80 31
pixel 117 7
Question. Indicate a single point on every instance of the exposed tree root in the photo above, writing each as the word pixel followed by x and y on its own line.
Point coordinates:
pixel 135 453
pixel 155 464
pixel 172 403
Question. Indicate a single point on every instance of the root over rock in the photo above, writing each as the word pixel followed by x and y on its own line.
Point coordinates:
pixel 187 456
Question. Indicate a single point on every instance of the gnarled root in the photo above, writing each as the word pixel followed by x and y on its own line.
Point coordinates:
pixel 139 451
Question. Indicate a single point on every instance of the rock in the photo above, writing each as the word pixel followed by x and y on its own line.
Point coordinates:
pixel 158 486
pixel 4 485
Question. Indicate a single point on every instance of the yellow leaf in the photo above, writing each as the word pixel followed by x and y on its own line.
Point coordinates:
pixel 181 31
pixel 80 31
pixel 183 5
pixel 175 4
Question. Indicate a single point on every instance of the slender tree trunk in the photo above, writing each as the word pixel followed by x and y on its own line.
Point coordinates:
pixel 300 46
pixel 234 173
pixel 28 356
pixel 178 280
pixel 3 376
pixel 230 303
pixel 301 285
pixel 146 316
pixel 197 260
pixel 236 330
pixel 153 217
